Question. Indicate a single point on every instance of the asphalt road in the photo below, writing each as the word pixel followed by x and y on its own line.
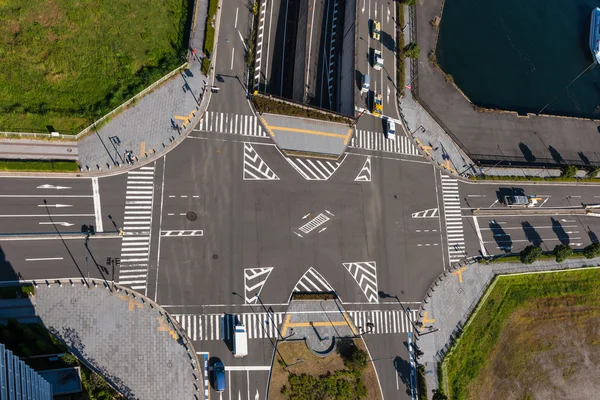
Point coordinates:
pixel 382 81
pixel 510 233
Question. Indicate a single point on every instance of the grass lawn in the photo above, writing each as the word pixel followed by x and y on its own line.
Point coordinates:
pixel 536 336
pixel 38 165
pixel 65 63
pixel 316 366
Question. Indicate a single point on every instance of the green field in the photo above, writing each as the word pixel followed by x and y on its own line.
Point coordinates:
pixel 534 336
pixel 65 63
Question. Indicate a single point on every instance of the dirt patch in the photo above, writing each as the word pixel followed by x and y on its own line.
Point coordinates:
pixel 294 352
pixel 549 349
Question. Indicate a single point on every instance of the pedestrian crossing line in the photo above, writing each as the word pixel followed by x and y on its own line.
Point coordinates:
pixel 263 325
pixel 453 219
pixel 237 124
pixel 135 243
pixel 314 169
pixel 401 144
pixel 314 223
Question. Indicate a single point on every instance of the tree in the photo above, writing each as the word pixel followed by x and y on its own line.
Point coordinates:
pixel 592 171
pixel 410 2
pixel 439 395
pixel 569 171
pixel 592 250
pixel 412 51
pixel 530 254
pixel 562 252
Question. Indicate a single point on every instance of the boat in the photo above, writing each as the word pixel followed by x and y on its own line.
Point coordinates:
pixel 595 35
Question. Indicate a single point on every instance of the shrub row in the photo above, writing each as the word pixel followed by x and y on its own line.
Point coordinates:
pixel 39 165
pixel 265 104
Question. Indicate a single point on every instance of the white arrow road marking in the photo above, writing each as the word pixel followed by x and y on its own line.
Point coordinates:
pixel 97 207
pixel 297 234
pixel 329 212
pixel 44 259
pixel 256 396
pixel 322 230
pixel 52 187
pixel 55 205
pixel 56 223
pixel 577 244
pixel 306 216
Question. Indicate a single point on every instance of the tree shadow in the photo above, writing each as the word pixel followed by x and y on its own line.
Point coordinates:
pixel 531 234
pixel 402 368
pixel 584 158
pixel 526 152
pixel 592 235
pixel 559 231
pixel 555 155
pixel 503 240
pixel 388 41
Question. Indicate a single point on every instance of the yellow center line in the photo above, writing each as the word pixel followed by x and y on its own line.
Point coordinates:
pixel 285 324
pixel 269 128
pixel 349 322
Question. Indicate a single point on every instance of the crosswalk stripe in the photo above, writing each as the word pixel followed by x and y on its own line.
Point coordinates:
pixel 203 327
pixel 377 141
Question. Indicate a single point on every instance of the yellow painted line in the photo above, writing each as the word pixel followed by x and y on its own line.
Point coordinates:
pixel 285 324
pixel 164 327
pixel 142 148
pixel 267 127
pixel 323 323
pixel 459 273
pixel 426 321
pixel 447 166
pixel 349 322
pixel 133 303
pixel 307 131
pixel 181 118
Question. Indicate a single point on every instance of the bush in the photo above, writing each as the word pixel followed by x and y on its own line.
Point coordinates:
pixel 562 252
pixel 592 171
pixel 412 51
pixel 438 395
pixel 205 66
pixel 569 171
pixel 255 7
pixel 592 250
pixel 421 384
pixel 409 2
pixel 530 254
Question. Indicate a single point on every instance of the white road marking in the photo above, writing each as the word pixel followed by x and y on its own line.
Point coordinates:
pixel 56 223
pixel 52 187
pixel 45 215
pixel 482 247
pixel 97 207
pixel 55 205
pixel 44 259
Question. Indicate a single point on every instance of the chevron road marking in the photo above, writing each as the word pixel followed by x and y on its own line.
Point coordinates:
pixel 181 233
pixel 259 277
pixel 365 173
pixel 255 169
pixel 365 274
pixel 430 213
pixel 312 281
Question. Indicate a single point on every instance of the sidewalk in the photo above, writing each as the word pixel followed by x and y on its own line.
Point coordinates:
pixel 432 140
pixel 124 336
pixel 149 128
pixel 454 295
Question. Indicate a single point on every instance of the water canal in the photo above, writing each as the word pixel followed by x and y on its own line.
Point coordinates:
pixel 522 55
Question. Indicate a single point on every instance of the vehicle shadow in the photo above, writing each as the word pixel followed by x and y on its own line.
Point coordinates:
pixel 531 234
pixel 503 240
pixel 559 231
pixel 402 368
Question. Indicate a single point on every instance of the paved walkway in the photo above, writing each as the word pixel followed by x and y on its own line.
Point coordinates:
pixel 128 338
pixel 433 141
pixel 454 295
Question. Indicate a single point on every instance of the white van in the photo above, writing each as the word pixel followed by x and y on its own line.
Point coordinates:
pixel 366 83
pixel 240 341
pixel 391 129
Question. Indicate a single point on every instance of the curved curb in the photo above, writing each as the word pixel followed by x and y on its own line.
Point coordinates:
pixel 133 296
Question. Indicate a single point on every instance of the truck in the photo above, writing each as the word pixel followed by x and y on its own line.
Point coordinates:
pixel 240 341
pixel 377 59
pixel 377 108
pixel 520 201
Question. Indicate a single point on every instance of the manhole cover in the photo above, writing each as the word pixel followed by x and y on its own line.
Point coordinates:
pixel 171 90
pixel 215 256
pixel 192 216
pixel 395 196
pixel 69 150
pixel 169 365
pixel 88 158
pixel 73 301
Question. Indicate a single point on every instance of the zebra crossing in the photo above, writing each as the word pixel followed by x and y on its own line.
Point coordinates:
pixel 255 169
pixel 215 121
pixel 313 169
pixel 135 246
pixel 453 218
pixel 263 325
pixel 377 141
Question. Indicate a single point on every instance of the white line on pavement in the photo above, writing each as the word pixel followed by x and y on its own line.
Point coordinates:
pixel 483 250
pixel 45 215
pixel 44 259
pixel 97 207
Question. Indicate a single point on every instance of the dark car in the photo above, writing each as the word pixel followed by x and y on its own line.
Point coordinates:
pixel 219 370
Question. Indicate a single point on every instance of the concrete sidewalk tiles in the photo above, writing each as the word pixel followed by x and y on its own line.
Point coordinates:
pixel 307 135
pixel 127 338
